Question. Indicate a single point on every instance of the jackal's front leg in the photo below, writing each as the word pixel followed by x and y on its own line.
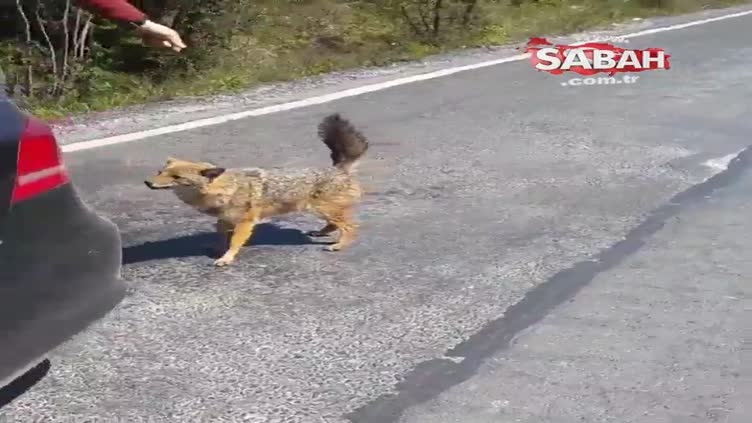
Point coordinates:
pixel 240 235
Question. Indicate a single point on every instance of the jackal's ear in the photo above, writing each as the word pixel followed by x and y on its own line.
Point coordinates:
pixel 212 173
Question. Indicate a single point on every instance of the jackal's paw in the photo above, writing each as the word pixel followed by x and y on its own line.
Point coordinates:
pixel 333 247
pixel 220 262
pixel 315 234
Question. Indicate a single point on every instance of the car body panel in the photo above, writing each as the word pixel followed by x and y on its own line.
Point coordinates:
pixel 11 126
pixel 59 261
pixel 59 272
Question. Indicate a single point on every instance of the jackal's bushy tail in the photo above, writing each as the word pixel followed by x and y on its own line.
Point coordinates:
pixel 346 143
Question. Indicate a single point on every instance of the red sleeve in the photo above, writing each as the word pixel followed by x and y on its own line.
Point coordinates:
pixel 116 10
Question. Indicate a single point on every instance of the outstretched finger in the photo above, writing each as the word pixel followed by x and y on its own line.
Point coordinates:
pixel 176 41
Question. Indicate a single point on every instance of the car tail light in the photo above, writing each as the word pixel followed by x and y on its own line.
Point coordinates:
pixel 39 167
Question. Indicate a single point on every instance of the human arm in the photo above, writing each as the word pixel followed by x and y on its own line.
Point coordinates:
pixel 115 10
pixel 152 33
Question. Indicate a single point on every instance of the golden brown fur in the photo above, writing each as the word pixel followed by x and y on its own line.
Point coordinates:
pixel 239 198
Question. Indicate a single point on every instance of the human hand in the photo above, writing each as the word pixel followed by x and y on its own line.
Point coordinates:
pixel 157 35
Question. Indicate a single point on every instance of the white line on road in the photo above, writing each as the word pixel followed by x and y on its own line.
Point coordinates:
pixel 721 163
pixel 311 101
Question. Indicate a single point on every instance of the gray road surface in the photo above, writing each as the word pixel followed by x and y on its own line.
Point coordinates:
pixel 492 192
pixel 655 336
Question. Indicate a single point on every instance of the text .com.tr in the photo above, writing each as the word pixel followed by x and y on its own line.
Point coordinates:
pixel 601 80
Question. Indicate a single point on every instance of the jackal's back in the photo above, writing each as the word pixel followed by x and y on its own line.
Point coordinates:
pixel 291 185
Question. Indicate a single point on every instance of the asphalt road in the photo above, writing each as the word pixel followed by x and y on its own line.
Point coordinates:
pixel 656 338
pixel 530 252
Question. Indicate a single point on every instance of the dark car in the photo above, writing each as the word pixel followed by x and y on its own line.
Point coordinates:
pixel 59 260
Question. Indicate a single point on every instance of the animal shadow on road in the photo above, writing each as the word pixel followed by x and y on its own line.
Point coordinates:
pixel 205 244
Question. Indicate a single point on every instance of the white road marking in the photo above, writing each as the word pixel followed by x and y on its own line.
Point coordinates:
pixel 453 358
pixel 352 92
pixel 721 163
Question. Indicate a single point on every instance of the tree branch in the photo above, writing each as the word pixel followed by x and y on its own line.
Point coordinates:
pixel 437 16
pixel 66 46
pixel 87 29
pixel 469 9
pixel 27 27
pixel 409 20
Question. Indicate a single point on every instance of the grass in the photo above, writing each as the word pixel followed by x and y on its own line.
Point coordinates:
pixel 290 41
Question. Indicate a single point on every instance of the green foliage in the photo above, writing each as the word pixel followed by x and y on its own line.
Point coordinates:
pixel 235 44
